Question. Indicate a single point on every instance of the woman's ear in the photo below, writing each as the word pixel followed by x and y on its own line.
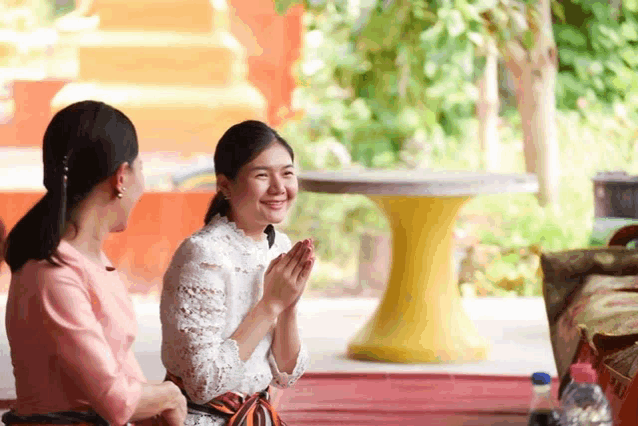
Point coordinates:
pixel 120 177
pixel 223 185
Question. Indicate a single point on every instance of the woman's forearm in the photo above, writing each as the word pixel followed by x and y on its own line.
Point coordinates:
pixel 155 399
pixel 259 321
pixel 286 342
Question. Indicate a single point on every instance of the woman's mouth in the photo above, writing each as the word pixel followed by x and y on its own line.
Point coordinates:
pixel 275 205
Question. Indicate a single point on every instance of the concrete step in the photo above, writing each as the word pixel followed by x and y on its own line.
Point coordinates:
pixel 214 59
pixel 173 118
pixel 152 15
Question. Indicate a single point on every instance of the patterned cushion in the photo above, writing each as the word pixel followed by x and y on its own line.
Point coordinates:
pixel 594 294
pixel 625 361
pixel 607 306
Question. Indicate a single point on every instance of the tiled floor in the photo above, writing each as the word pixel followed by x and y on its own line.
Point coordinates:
pixel 516 328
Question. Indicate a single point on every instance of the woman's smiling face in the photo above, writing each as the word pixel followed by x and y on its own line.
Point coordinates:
pixel 264 189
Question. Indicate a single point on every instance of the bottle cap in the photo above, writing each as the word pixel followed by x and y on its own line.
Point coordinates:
pixel 583 373
pixel 541 378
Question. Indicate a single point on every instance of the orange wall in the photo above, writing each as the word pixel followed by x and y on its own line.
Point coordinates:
pixel 32 100
pixel 158 224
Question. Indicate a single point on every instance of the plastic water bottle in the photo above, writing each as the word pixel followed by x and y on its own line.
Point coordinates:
pixel 542 411
pixel 583 402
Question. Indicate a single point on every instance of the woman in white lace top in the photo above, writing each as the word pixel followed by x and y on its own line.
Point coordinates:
pixel 228 306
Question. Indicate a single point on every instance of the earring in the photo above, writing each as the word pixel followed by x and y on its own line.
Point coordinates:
pixel 120 193
pixel 226 197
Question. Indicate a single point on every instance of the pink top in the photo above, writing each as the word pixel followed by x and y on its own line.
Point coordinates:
pixel 71 329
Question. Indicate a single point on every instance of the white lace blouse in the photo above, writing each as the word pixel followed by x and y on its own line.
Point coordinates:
pixel 214 279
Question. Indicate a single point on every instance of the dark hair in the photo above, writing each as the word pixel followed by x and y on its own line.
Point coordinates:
pixel 83 145
pixel 240 145
pixel 3 236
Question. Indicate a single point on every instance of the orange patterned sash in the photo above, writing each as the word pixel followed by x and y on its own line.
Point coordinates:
pixel 237 409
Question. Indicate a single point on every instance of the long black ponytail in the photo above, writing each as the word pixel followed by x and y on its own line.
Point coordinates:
pixel 3 237
pixel 239 145
pixel 83 145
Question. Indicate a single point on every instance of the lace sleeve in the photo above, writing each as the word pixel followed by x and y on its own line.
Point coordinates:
pixel 284 380
pixel 194 314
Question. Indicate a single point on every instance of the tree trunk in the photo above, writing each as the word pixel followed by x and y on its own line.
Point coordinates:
pixel 535 74
pixel 487 110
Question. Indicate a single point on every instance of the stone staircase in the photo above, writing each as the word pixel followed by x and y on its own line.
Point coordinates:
pixel 172 66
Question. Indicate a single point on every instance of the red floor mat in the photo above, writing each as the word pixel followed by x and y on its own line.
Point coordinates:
pixel 407 399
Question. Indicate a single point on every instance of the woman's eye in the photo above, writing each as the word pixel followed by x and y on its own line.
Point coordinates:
pixel 288 174
pixel 262 175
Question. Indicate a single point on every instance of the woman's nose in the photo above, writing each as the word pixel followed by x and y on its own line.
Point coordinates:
pixel 276 185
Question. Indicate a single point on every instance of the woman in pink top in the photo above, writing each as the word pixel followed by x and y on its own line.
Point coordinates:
pixel 70 321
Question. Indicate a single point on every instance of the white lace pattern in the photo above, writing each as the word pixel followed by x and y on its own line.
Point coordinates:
pixel 214 279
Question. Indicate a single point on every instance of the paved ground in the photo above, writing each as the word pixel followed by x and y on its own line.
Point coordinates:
pixel 516 328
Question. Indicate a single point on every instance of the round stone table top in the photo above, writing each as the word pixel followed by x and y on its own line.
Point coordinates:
pixel 425 183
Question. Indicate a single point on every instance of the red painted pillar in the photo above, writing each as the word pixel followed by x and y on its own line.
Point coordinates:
pixel 280 39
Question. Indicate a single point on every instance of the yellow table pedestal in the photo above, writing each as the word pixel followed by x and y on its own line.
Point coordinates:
pixel 420 318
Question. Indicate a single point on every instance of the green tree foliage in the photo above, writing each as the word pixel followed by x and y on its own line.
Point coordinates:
pixel 25 15
pixel 383 73
pixel 598 52
pixel 411 64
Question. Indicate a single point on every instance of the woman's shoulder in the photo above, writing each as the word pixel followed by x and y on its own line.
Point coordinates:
pixel 215 230
pixel 67 268
pixel 204 244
